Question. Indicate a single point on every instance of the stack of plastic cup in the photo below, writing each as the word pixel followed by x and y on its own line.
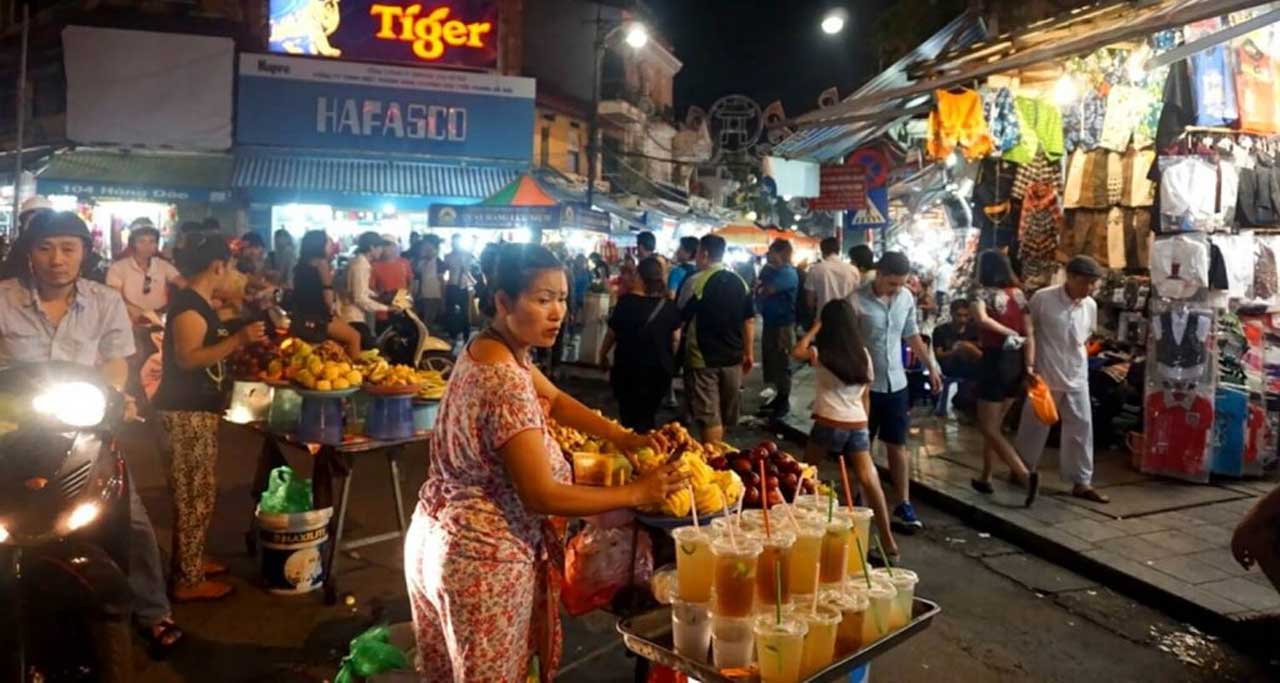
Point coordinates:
pixel 904 580
pixel 732 642
pixel 775 562
pixel 804 560
pixel 691 629
pixel 779 648
pixel 835 550
pixel 879 619
pixel 852 603
pixel 694 564
pixel 861 520
pixel 820 640
pixel 736 561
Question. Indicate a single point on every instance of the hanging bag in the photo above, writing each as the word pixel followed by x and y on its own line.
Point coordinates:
pixel 1042 400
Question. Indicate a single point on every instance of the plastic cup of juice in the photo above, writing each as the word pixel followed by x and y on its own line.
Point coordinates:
pixel 775 561
pixel 861 520
pixel 720 525
pixel 691 629
pixel 735 575
pixel 879 618
pixel 904 580
pixel 820 640
pixel 779 648
pixel 693 564
pixel 805 554
pixel 732 642
pixel 838 534
pixel 852 603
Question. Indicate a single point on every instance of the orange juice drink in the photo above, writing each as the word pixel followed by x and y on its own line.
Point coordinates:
pixel 861 520
pixel 693 564
pixel 878 621
pixel 820 641
pixel 852 604
pixel 837 536
pixel 779 648
pixel 904 580
pixel 736 562
pixel 805 554
pixel 774 563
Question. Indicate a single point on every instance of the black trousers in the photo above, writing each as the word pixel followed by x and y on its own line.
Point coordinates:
pixel 639 392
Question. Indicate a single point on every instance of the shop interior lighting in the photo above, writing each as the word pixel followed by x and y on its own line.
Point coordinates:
pixel 1136 66
pixel 752 216
pixel 1066 91
pixel 637 35
pixel 389 208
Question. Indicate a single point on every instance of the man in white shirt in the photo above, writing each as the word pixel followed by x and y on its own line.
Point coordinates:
pixel 1061 319
pixel 142 277
pixel 831 278
pixel 458 284
pixel 429 270
pixel 358 304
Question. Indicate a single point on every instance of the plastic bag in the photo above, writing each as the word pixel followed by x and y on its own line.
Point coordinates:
pixel 598 565
pixel 286 493
pixel 1042 400
pixel 371 653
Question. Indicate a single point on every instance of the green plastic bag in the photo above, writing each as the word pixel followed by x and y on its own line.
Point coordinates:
pixel 286 493
pixel 371 653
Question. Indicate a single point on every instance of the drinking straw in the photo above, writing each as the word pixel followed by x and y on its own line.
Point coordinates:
pixel 693 506
pixel 777 590
pixel 817 576
pixel 848 490
pixel 862 557
pixel 831 503
pixel 887 564
pixel 764 503
pixel 733 539
pixel 799 487
pixel 792 516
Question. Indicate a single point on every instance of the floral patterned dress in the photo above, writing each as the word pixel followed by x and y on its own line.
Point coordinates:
pixel 482 571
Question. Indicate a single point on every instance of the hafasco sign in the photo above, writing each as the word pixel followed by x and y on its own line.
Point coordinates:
pixel 416 121
pixel 461 33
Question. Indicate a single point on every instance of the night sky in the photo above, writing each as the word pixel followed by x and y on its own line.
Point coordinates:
pixel 766 49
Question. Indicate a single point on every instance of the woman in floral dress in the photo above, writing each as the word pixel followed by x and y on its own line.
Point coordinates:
pixel 482 560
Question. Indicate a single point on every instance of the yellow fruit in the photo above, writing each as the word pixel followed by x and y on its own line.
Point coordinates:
pixel 332 372
pixel 341 383
pixel 354 378
pixel 324 385
pixel 305 377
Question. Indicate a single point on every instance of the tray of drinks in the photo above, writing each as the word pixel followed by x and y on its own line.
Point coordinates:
pixel 650 635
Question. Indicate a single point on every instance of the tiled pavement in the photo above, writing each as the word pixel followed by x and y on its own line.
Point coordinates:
pixel 1161 540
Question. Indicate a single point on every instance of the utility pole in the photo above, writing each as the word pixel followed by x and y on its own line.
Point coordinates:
pixel 22 115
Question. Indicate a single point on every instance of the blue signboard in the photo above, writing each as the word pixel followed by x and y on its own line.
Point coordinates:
pixel 322 104
pixel 141 193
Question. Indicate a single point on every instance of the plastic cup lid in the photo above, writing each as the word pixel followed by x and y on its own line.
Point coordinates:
pixel 881 590
pixel 686 534
pixel 837 524
pixel 826 614
pixel 779 536
pixel 768 625
pixel 901 578
pixel 741 545
pixel 858 513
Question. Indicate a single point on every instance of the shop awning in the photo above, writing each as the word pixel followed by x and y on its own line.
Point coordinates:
pixel 158 177
pixel 522 203
pixel 363 182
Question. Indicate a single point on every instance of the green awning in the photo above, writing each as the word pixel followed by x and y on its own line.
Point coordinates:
pixel 139 176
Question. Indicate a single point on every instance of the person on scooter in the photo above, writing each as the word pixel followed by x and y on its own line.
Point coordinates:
pixel 51 313
pixel 313 301
pixel 192 397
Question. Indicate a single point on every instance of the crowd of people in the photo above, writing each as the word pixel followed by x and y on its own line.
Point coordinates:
pixel 482 551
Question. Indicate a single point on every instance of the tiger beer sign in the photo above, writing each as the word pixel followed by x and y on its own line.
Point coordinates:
pixel 457 33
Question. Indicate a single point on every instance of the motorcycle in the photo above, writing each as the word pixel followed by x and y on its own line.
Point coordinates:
pixel 64 521
pixel 407 341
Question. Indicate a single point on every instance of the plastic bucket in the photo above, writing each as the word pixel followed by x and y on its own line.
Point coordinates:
pixel 283 414
pixel 424 415
pixel 390 418
pixel 292 548
pixel 320 421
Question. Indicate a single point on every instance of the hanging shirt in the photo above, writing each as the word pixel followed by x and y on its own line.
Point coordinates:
pixel 1213 87
pixel 1083 122
pixel 1231 412
pixel 1041 124
pixel 1181 335
pixel 1259 98
pixel 1179 266
pixel 1002 118
pixel 1188 195
pixel 957 120
pixel 1177 429
pixel 1127 105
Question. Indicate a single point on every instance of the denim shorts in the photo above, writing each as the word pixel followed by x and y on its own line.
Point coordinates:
pixel 840 441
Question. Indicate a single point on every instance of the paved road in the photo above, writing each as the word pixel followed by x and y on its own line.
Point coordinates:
pixel 1007 616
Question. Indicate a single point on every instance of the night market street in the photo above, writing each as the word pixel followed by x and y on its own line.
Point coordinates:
pixel 1008 616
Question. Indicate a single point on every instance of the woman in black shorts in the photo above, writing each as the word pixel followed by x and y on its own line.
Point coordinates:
pixel 1000 310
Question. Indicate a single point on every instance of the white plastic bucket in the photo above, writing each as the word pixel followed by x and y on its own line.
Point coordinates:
pixel 292 548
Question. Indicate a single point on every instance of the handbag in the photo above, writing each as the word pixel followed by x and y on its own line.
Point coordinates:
pixel 1042 400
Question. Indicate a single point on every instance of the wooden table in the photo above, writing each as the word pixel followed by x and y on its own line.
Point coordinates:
pixel 331 463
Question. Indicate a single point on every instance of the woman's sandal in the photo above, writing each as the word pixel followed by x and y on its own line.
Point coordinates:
pixel 982 486
pixel 162 638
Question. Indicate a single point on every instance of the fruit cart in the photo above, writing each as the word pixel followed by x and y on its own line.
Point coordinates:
pixel 649 637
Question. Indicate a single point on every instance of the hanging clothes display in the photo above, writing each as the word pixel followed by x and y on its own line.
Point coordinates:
pixel 1002 118
pixel 1178 424
pixel 1256 88
pixel 1041 124
pixel 1180 390
pixel 1083 123
pixel 1188 194
pixel 1041 222
pixel 1213 82
pixel 1181 336
pixel 1126 107
pixel 957 121
pixel 1180 265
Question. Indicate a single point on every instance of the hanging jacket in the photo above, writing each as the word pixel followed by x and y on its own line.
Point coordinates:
pixel 957 120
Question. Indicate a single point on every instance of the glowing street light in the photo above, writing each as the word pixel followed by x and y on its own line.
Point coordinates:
pixel 833 22
pixel 637 35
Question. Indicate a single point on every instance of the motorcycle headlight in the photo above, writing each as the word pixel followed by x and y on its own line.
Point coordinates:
pixel 4 534
pixel 75 404
pixel 83 515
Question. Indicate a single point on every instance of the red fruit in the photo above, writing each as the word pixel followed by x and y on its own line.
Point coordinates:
pixel 775 498
pixel 772 482
pixel 809 486
pixel 752 497
pixel 790 481
pixel 718 463
pixel 769 446
pixel 742 465
pixel 786 457
pixel 772 469
pixel 751 479
pixel 759 453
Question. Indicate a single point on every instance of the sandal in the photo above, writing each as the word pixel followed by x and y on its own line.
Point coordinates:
pixel 162 638
pixel 1090 494
pixel 213 567
pixel 982 486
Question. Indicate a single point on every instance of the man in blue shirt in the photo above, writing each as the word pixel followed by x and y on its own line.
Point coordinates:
pixel 776 296
pixel 684 266
pixel 887 313
pixel 48 312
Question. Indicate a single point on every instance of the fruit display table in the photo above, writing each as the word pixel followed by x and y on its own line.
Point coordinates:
pixel 329 463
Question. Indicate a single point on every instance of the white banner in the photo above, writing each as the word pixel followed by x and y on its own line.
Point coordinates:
pixel 139 88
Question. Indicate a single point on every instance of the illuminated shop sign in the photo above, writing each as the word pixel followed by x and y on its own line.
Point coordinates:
pixel 459 33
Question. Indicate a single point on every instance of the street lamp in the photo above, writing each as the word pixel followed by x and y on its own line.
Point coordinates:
pixel 636 36
pixel 833 22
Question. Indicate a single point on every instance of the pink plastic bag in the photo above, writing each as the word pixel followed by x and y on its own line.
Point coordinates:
pixel 598 565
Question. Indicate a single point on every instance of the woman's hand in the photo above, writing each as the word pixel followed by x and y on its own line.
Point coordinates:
pixel 629 442
pixel 252 333
pixel 652 488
